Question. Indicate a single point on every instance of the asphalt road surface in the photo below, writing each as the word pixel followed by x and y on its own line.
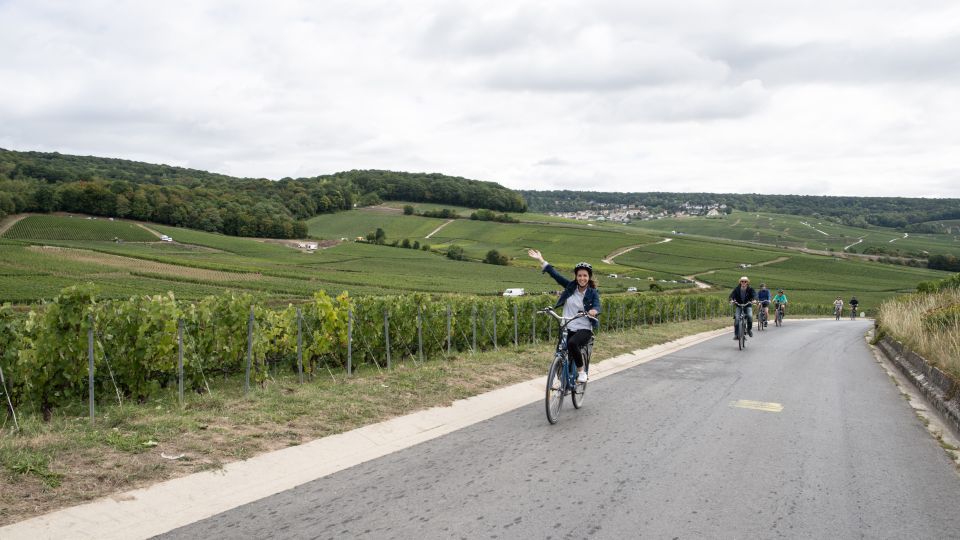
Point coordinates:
pixel 691 445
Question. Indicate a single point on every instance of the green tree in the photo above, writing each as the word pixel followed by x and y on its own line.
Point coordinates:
pixel 494 257
pixel 455 252
pixel 408 210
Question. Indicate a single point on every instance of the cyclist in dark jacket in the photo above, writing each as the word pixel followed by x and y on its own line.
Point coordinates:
pixel 743 294
pixel 579 295
pixel 763 296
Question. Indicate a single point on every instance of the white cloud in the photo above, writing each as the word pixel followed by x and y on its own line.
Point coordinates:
pixel 818 97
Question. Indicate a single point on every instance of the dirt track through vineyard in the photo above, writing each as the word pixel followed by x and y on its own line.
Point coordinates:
pixel 132 264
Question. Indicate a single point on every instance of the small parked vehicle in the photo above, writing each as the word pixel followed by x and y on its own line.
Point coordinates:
pixel 513 292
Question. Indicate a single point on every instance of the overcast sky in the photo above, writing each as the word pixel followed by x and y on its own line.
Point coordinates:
pixel 806 97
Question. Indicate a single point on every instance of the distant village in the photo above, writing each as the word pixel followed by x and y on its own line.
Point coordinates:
pixel 625 213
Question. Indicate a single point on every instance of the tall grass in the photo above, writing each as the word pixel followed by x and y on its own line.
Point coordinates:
pixel 909 319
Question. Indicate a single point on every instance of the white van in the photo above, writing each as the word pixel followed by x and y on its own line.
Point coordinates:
pixel 513 292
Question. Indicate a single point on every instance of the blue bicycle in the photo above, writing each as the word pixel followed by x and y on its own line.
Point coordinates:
pixel 562 376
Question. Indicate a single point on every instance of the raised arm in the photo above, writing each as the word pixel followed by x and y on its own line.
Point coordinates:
pixel 545 267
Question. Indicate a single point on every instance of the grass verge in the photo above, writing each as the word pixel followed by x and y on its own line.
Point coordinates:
pixel 928 324
pixel 68 461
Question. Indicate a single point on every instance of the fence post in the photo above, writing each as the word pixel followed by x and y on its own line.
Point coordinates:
pixel 533 326
pixel 386 333
pixel 473 318
pixel 90 370
pixel 419 332
pixel 449 336
pixel 350 340
pixel 246 379
pixel 180 360
pixel 643 313
pixel 300 345
pixel 494 307
pixel 516 336
pixel 6 393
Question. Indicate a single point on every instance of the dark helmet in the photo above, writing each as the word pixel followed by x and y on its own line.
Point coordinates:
pixel 583 266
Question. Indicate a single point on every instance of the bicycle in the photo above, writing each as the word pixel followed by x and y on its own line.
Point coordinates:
pixel 562 375
pixel 778 317
pixel 761 318
pixel 741 324
pixel 853 313
pixel 836 312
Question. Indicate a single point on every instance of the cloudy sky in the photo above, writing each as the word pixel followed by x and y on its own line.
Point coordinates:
pixel 724 96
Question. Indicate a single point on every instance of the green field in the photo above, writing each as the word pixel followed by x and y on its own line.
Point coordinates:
pixel 78 228
pixel 803 232
pixel 200 263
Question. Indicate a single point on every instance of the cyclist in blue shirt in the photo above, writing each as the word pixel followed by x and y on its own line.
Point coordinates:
pixel 763 296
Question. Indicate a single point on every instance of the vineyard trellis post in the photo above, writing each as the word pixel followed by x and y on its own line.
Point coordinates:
pixel 643 313
pixel 533 325
pixel 6 393
pixel 90 366
pixel 473 318
pixel 516 336
pixel 494 308
pixel 350 340
pixel 180 360
pixel 246 378
pixel 386 333
pixel 420 332
pixel 449 336
pixel 300 345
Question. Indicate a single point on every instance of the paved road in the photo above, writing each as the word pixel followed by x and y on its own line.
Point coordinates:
pixel 658 452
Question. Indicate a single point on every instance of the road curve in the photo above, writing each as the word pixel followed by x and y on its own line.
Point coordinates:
pixel 658 451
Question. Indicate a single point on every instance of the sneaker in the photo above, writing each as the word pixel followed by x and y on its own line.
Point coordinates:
pixel 750 333
pixel 582 377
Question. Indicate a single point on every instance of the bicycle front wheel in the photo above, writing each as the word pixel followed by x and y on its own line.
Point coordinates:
pixel 554 397
pixel 743 335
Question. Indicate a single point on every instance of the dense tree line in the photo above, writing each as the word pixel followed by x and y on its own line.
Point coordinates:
pixel 944 262
pixel 50 182
pixel 898 212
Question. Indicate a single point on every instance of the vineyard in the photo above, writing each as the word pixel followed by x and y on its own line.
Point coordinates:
pixel 80 347
pixel 806 232
pixel 45 227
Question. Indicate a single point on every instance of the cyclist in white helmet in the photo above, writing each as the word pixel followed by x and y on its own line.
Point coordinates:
pixel 579 295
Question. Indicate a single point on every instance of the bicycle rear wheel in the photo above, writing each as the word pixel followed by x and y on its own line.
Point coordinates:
pixel 554 397
pixel 743 334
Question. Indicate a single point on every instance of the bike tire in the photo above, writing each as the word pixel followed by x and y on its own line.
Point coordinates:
pixel 579 389
pixel 554 395
pixel 742 342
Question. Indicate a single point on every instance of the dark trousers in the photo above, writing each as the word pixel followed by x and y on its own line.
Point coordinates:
pixel 575 340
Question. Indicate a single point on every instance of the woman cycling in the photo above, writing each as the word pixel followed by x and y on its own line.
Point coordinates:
pixel 780 302
pixel 838 308
pixel 579 295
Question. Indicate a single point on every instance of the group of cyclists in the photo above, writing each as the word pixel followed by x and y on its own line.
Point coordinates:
pixel 743 296
pixel 580 296
pixel 580 304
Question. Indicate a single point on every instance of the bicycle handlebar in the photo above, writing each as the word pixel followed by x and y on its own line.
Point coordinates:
pixel 562 320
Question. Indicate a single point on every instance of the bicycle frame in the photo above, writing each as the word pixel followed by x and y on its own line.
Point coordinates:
pixel 562 352
pixel 740 320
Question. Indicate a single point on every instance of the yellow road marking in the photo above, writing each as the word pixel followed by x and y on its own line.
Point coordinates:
pixel 757 405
